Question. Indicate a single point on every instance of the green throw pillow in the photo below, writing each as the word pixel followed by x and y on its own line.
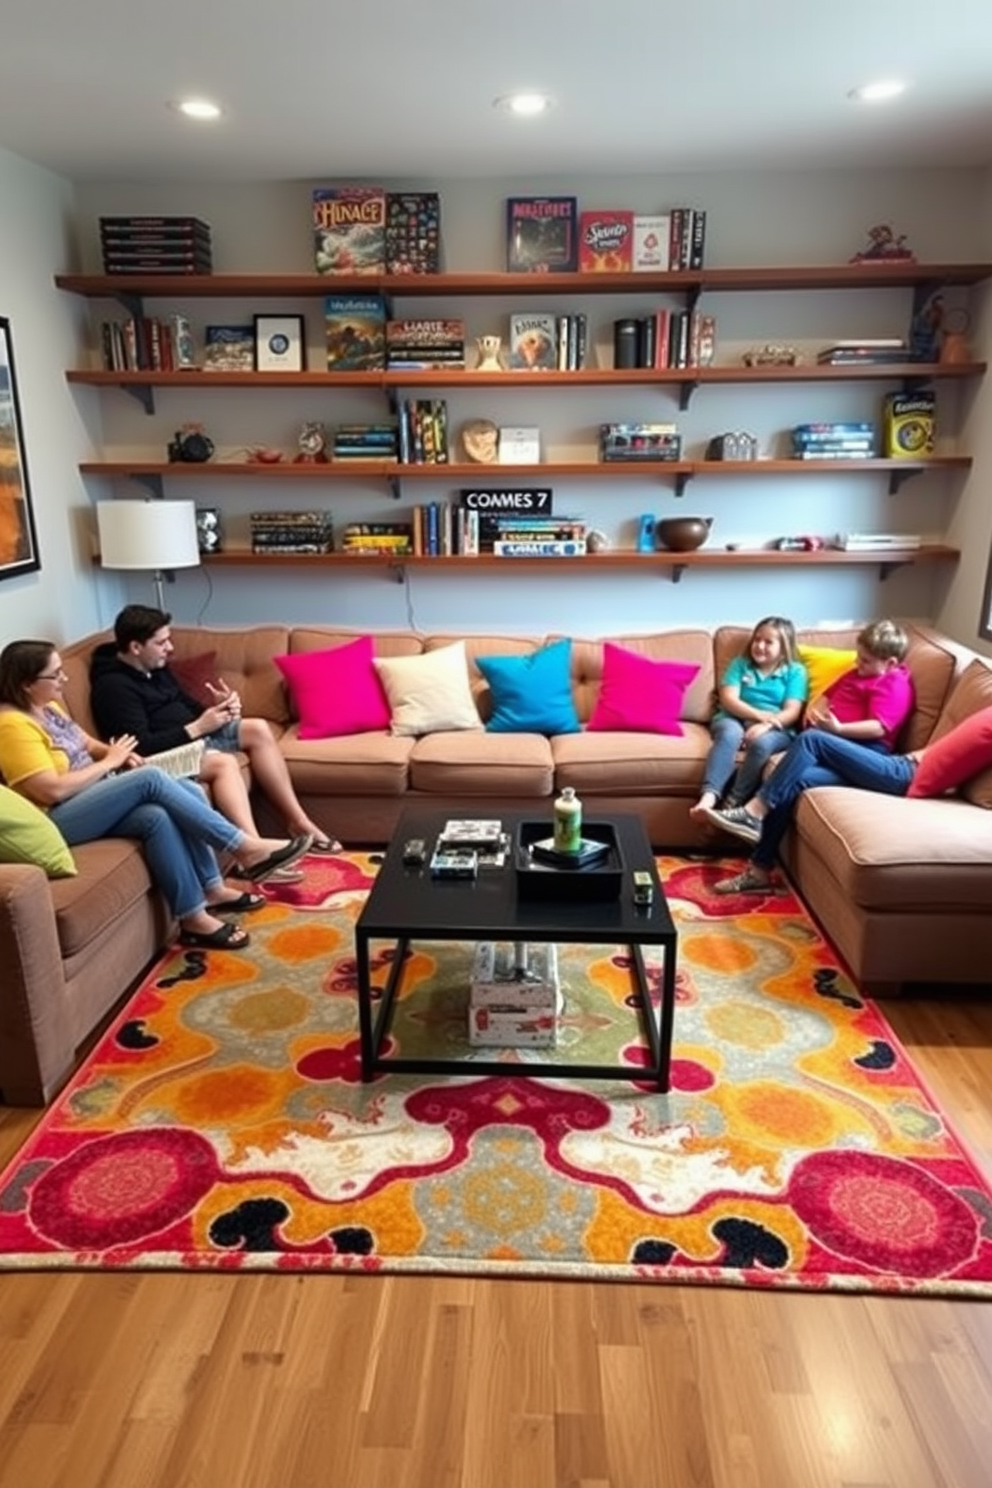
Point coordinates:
pixel 27 836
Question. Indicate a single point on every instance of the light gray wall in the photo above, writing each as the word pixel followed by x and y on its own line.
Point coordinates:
pixel 36 232
pixel 753 219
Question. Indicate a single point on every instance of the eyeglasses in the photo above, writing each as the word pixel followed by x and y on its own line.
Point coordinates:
pixel 59 676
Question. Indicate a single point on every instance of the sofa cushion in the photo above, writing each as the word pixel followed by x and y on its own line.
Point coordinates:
pixel 113 876
pixel 693 647
pixel 194 672
pixel 430 692
pixel 337 691
pixel 27 835
pixel 971 693
pixel 482 764
pixel 629 764
pixel 824 664
pixel 640 695
pixel 531 694
pixel 374 764
pixel 892 853
pixel 957 756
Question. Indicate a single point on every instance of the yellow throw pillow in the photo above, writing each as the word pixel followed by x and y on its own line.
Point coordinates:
pixel 27 836
pixel 824 664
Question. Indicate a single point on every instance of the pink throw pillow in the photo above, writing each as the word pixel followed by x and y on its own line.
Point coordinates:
pixel 638 695
pixel 336 692
pixel 955 758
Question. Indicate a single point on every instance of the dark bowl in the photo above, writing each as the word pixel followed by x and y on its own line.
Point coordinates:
pixel 683 534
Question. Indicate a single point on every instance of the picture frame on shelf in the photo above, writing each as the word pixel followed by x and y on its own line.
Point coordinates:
pixel 18 536
pixel 280 343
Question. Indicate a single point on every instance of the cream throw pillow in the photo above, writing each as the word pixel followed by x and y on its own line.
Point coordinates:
pixel 428 693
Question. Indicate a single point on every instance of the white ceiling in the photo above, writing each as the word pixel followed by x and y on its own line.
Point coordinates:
pixel 320 89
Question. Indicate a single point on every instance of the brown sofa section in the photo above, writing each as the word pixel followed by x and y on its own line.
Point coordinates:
pixel 900 886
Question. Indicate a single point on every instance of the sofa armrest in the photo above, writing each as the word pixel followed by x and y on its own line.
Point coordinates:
pixel 36 1048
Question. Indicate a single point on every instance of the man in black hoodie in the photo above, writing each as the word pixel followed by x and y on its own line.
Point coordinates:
pixel 134 692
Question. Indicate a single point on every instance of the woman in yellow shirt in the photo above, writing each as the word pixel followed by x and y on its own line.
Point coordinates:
pixel 51 761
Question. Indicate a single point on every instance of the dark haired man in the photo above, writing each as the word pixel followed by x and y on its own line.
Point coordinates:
pixel 134 692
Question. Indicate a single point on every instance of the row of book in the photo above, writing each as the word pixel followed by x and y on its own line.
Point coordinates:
pixel 367 230
pixel 881 351
pixel 156 245
pixel 422 431
pixel 549 234
pixel 441 529
pixel 365 442
pixel 291 532
pixel 377 539
pixel 145 343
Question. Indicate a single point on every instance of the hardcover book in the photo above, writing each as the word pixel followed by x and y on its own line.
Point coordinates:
pixel 541 234
pixel 355 332
pixel 533 342
pixel 606 242
pixel 349 229
pixel 413 232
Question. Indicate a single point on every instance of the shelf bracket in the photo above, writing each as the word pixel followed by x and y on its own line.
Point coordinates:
pixel 152 483
pixel 397 572
pixel 143 393
pixel 686 390
pixel 682 480
pixel 692 298
pixel 678 569
pixel 898 478
pixel 884 569
pixel 395 487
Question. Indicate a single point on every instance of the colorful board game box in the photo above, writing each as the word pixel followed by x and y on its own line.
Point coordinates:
pixel 909 425
pixel 541 234
pixel 533 342
pixel 413 232
pixel 355 332
pixel 606 242
pixel 349 229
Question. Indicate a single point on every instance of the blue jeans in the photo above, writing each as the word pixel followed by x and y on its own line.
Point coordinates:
pixel 176 826
pixel 721 762
pixel 818 758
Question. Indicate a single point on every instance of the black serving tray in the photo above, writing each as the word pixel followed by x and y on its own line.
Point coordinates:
pixel 537 880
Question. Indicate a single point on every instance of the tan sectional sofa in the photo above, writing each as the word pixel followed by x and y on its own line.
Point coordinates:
pixel 901 887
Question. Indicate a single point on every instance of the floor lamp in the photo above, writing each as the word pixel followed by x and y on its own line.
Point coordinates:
pixel 152 535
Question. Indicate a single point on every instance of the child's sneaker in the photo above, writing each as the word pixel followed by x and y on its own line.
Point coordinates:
pixel 737 821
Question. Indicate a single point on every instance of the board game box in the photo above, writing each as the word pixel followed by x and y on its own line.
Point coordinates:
pixel 349 229
pixel 413 232
pixel 606 242
pixel 541 234
pixel 355 332
pixel 908 425
pixel 533 342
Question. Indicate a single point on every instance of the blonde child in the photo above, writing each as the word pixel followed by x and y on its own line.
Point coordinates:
pixel 761 699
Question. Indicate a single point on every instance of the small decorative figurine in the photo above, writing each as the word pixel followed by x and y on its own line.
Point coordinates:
pixel 312 442
pixel 489 348
pixel 190 445
pixel 771 355
pixel 480 440
pixel 884 246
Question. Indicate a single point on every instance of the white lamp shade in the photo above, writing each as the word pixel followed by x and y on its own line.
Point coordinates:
pixel 147 534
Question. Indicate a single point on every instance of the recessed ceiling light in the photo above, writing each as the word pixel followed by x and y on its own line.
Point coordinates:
pixel 524 105
pixel 879 92
pixel 198 108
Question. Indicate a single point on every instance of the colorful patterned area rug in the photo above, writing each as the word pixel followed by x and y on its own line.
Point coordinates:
pixel 222 1122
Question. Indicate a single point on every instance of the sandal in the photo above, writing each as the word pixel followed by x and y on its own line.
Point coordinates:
pixel 281 858
pixel 326 845
pixel 749 881
pixel 277 876
pixel 228 937
pixel 245 903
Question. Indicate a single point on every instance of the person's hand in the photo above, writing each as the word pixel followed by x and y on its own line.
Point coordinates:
pixel 121 750
pixel 755 730
pixel 225 697
pixel 214 718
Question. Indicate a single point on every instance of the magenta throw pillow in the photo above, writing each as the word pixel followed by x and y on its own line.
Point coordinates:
pixel 336 692
pixel 955 758
pixel 638 695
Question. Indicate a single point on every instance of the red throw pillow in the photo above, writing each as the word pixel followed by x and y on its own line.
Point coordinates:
pixel 952 760
pixel 194 672
pixel 638 695
pixel 336 692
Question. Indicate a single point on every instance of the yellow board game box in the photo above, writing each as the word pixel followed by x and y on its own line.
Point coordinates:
pixel 908 425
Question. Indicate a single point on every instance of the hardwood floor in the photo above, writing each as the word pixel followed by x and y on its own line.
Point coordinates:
pixel 177 1381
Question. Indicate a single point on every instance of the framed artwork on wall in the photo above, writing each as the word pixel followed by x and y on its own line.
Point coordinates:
pixel 279 343
pixel 18 539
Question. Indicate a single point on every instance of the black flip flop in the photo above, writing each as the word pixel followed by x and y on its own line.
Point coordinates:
pixel 229 937
pixel 244 904
pixel 281 858
pixel 326 845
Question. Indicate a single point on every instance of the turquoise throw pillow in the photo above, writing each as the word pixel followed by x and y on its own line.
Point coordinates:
pixel 531 694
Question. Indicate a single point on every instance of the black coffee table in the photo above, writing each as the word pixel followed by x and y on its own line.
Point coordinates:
pixel 406 904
